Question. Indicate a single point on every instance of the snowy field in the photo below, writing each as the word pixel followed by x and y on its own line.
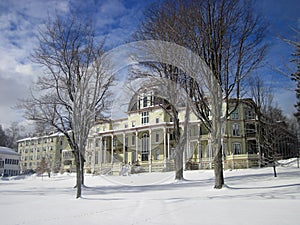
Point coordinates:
pixel 251 196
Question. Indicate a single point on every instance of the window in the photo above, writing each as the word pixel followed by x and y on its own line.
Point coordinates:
pixel 249 114
pixel 145 117
pixel 145 147
pixel 133 140
pixel 157 120
pixel 156 154
pixel 126 126
pixel 96 158
pixel 145 101
pixel 157 137
pixel 172 136
pixel 151 100
pixel 133 124
pixel 195 131
pixel 235 114
pixel 126 141
pixel 171 119
pixel 236 129
pixel 114 141
pixel 236 147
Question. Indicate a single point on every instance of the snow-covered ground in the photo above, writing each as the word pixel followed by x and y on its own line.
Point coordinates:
pixel 251 196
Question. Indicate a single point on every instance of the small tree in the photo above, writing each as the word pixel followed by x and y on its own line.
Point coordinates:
pixel 43 168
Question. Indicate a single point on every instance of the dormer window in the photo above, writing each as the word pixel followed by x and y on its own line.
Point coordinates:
pixel 235 114
pixel 145 101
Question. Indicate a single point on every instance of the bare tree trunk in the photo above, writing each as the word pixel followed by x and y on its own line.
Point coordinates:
pixel 274 169
pixel 179 163
pixel 82 170
pixel 178 149
pixel 78 174
pixel 218 169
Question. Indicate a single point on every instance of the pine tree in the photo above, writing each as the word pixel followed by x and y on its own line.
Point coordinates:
pixel 3 137
pixel 296 77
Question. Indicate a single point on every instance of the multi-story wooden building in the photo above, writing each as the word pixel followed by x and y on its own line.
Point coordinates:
pixel 144 141
pixel 50 147
pixel 9 162
pixel 145 137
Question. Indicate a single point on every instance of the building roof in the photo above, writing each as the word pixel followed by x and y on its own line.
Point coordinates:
pixel 57 134
pixel 7 151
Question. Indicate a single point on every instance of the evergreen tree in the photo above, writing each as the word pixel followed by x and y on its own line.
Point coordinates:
pixel 296 77
pixel 3 137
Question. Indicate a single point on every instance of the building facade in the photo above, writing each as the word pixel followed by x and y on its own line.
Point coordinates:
pixel 145 138
pixel 50 147
pixel 9 162
pixel 145 141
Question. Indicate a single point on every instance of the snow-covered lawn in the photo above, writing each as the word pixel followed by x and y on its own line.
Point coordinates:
pixel 251 196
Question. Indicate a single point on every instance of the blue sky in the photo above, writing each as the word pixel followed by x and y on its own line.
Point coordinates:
pixel 116 20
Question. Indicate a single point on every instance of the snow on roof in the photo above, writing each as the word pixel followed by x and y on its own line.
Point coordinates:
pixel 7 151
pixel 57 134
pixel 24 139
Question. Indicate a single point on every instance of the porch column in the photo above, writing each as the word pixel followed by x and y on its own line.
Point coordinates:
pixel 100 153
pixel 112 150
pixel 93 155
pixel 165 150
pixel 199 152
pixel 210 153
pixel 199 145
pixel 168 143
pixel 105 148
pixel 136 146
pixel 232 163
pixel 124 147
pixel 150 150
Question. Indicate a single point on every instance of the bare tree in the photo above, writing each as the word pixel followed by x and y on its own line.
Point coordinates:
pixel 263 97
pixel 228 36
pixel 73 91
pixel 273 132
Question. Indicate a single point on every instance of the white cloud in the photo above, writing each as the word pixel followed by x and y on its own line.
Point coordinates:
pixel 19 23
pixel 112 8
